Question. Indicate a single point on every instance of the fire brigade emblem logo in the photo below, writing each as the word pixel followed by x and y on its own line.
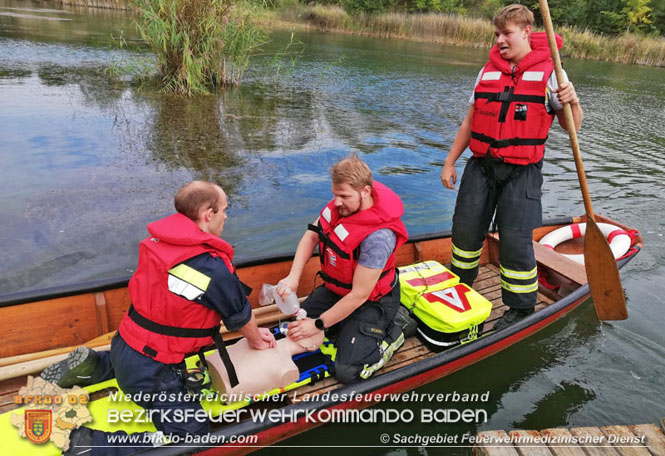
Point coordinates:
pixel 331 257
pixel 38 425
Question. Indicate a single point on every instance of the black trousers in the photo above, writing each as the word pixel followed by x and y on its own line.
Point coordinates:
pixel 513 192
pixel 359 335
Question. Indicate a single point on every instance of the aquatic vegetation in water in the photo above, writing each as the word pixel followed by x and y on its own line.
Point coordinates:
pixel 284 60
pixel 200 45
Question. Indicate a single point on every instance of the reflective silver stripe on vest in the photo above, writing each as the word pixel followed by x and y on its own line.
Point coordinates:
pixel 341 232
pixel 491 76
pixel 533 76
pixel 326 214
pixel 187 282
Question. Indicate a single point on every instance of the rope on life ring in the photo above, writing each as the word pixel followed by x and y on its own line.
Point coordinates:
pixel 619 239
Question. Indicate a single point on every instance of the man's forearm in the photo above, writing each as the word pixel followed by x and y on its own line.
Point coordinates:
pixel 462 139
pixel 342 309
pixel 364 280
pixel 251 331
pixel 304 252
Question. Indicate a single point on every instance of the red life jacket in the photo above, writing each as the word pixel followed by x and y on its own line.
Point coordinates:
pixel 510 120
pixel 156 311
pixel 340 237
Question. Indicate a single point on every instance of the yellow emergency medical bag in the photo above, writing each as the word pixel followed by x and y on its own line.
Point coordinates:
pixel 448 313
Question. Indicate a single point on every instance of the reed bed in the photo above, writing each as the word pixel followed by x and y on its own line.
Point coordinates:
pixel 426 27
pixel 641 50
pixel 440 28
pixel 466 31
pixel 200 45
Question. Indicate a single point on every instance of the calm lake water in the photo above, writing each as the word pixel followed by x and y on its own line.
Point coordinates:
pixel 86 162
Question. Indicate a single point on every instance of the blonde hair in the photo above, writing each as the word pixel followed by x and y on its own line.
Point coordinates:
pixel 353 171
pixel 195 196
pixel 516 14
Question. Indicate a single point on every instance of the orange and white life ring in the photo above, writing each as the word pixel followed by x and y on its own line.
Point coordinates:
pixel 618 239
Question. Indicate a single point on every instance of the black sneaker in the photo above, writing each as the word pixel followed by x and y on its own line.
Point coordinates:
pixel 80 442
pixel 404 320
pixel 76 369
pixel 511 316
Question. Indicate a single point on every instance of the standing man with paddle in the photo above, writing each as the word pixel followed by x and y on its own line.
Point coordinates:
pixel 515 99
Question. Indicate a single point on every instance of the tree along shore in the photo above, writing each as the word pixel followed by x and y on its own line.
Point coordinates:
pixel 436 27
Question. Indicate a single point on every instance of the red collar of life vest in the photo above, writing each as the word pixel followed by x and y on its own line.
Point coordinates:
pixel 540 52
pixel 180 230
pixel 353 229
pixel 339 238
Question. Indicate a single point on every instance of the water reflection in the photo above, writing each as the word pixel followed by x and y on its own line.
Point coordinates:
pixel 197 143
pixel 274 141
pixel 30 20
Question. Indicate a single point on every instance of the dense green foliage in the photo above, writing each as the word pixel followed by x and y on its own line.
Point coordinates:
pixel 200 45
pixel 602 16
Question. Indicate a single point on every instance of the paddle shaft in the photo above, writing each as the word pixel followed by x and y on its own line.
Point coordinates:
pixel 567 110
pixel 601 268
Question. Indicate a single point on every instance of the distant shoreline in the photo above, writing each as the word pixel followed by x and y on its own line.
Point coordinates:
pixel 438 28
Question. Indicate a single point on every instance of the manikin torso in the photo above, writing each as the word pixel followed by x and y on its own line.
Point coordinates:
pixel 259 371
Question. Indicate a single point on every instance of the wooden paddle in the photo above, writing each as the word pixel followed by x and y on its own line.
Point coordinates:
pixel 601 268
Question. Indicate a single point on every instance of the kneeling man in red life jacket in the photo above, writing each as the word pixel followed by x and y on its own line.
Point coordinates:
pixel 185 283
pixel 358 233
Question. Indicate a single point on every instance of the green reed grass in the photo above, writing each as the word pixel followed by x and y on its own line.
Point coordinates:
pixel 200 45
pixel 434 27
pixel 467 31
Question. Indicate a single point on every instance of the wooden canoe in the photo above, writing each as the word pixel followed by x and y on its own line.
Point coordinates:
pixel 36 324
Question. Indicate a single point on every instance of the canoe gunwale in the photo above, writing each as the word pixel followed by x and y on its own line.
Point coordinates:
pixel 491 343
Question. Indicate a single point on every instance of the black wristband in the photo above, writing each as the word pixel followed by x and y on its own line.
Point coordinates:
pixel 319 324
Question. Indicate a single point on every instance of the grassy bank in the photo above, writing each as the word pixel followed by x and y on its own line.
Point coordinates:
pixel 439 28
pixel 463 31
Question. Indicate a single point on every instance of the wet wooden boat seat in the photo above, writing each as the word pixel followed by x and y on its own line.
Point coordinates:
pixel 548 258
pixel 561 264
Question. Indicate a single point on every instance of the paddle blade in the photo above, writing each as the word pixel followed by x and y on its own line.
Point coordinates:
pixel 603 275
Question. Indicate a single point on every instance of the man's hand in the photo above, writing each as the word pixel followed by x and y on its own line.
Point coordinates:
pixel 302 329
pixel 566 93
pixel 266 340
pixel 257 338
pixel 287 285
pixel 448 176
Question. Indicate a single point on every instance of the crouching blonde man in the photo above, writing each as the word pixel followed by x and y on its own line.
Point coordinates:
pixel 358 233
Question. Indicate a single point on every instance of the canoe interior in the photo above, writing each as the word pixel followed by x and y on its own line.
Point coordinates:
pixel 72 320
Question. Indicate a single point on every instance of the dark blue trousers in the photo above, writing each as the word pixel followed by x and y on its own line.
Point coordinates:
pixel 137 373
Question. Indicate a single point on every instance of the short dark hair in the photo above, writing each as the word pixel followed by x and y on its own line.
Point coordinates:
pixel 195 196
